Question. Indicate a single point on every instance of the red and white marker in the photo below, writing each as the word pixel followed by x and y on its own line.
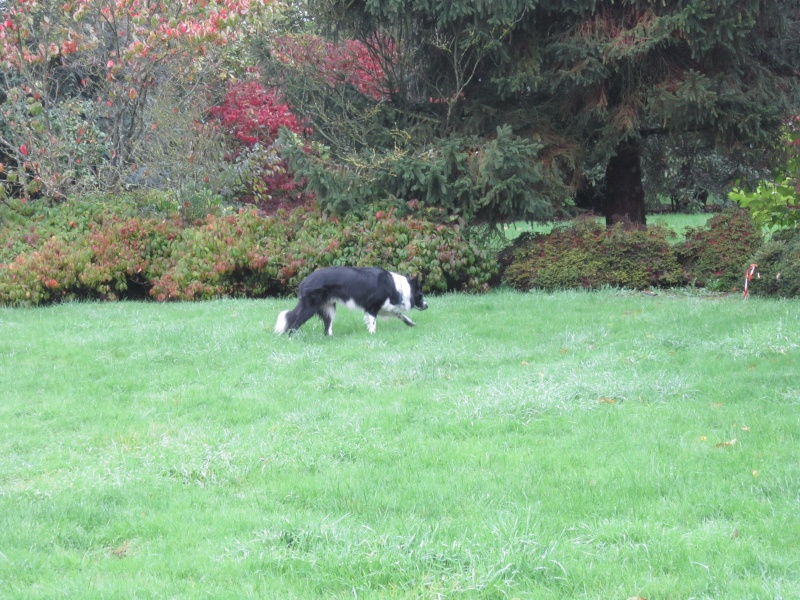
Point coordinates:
pixel 747 277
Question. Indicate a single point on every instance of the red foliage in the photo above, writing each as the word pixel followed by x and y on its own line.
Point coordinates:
pixel 349 63
pixel 148 32
pixel 254 114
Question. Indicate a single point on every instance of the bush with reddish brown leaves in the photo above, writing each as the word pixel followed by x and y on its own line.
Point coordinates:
pixel 116 255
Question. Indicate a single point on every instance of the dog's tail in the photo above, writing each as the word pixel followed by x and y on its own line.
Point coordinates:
pixel 282 325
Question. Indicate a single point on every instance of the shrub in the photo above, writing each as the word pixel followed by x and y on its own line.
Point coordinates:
pixel 717 255
pixel 778 266
pixel 775 202
pixel 44 275
pixel 78 252
pixel 254 117
pixel 448 256
pixel 586 254
pixel 124 256
pixel 79 79
pixel 104 256
pixel 251 255
pixel 254 114
pixel 234 255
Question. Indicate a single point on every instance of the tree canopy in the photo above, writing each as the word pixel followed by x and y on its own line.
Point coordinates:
pixel 579 83
pixel 491 111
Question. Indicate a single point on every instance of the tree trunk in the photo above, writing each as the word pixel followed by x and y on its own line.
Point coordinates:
pixel 624 197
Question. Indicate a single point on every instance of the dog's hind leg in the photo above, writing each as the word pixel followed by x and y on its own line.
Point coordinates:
pixel 327 313
pixel 306 312
pixel 370 320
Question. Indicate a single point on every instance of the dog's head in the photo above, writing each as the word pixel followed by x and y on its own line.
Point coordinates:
pixel 417 299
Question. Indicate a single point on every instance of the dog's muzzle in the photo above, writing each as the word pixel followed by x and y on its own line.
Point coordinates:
pixel 423 307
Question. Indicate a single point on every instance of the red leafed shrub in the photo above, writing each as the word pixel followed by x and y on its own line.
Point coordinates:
pixel 254 114
pixel 47 274
pixel 347 63
pixel 75 254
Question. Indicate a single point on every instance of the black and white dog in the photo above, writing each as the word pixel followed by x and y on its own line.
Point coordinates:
pixel 373 290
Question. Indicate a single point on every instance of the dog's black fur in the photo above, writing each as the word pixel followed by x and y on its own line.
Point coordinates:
pixel 373 290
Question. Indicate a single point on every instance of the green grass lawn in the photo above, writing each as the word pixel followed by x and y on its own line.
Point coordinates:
pixel 571 445
pixel 677 222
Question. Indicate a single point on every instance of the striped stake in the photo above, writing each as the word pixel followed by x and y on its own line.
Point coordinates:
pixel 747 277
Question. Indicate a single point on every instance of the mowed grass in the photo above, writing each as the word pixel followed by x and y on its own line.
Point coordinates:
pixel 569 445
pixel 677 222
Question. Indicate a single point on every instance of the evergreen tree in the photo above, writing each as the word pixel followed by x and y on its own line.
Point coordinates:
pixel 587 80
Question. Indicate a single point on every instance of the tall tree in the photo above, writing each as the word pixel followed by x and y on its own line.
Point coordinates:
pixel 79 79
pixel 590 79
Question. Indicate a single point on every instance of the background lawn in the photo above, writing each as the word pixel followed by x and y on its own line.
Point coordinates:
pixel 678 222
pixel 569 445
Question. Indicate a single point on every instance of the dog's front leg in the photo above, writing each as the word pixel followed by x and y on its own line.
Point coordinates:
pixel 406 320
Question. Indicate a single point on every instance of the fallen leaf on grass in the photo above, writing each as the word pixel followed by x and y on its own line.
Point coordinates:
pixel 745 428
pixel 607 401
pixel 122 550
pixel 724 444
pixel 702 438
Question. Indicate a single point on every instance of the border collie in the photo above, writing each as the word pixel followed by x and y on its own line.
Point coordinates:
pixel 373 290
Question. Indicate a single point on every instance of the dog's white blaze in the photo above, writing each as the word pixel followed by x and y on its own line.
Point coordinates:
pixel 280 326
pixel 402 286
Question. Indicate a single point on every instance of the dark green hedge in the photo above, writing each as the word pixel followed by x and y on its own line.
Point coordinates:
pixel 716 255
pixel 586 254
pixel 778 263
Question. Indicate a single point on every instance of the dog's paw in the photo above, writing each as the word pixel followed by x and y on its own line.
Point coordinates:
pixel 405 319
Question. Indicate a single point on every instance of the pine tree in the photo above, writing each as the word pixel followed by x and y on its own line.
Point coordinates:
pixel 589 79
